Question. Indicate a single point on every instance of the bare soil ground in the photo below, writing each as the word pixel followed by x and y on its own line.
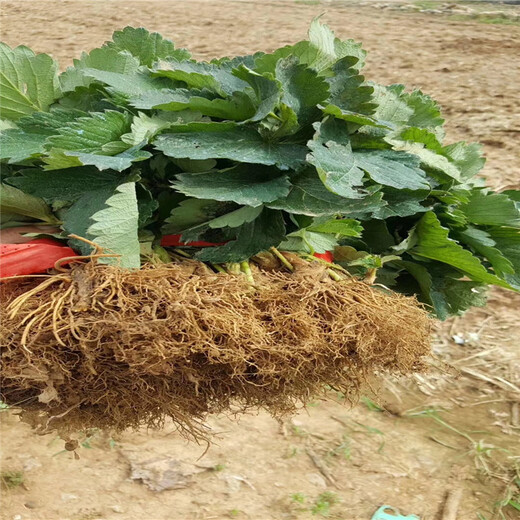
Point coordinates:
pixel 456 427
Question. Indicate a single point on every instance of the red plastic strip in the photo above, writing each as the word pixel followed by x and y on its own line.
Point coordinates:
pixel 31 257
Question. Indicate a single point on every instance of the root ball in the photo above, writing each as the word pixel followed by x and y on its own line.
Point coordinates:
pixel 101 347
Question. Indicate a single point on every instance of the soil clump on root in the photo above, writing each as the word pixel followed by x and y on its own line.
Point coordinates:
pixel 101 347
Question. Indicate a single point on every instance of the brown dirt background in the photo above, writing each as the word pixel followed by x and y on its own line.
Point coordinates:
pixel 366 458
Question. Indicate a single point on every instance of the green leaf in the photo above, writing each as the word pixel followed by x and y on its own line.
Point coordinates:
pixel 302 89
pixel 238 107
pixel 309 241
pixel 28 139
pixel 228 217
pixel 342 170
pixel 98 60
pixel 493 209
pixel 433 242
pixel 308 196
pixel 266 92
pixel 192 212
pixel 336 166
pixel 243 144
pixel 401 203
pixel 250 185
pixel 145 46
pixel 393 168
pixel 125 84
pixel 62 185
pixel 115 227
pixel 265 231
pixel 18 146
pixel 200 75
pixel 349 94
pixel 16 201
pixel 335 162
pixel 344 227
pixel 90 134
pixel 117 162
pixel 484 245
pixel 507 241
pixel 320 53
pixel 443 290
pixel 28 82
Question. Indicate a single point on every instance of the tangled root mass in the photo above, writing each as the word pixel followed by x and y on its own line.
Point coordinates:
pixel 100 347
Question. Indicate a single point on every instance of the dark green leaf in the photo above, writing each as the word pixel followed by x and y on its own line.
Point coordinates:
pixel 266 231
pixel 251 185
pixel 243 144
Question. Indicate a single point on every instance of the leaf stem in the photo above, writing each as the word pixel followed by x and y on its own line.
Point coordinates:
pixel 282 259
pixel 335 276
pixel 246 269
pixel 218 268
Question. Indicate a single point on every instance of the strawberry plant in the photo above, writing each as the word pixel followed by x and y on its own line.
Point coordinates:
pixel 164 176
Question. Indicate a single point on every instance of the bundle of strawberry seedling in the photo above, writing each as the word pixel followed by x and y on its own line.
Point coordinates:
pixel 249 230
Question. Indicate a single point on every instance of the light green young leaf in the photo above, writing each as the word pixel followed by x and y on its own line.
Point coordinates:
pixel 320 53
pixel 115 228
pixel 351 117
pixel 309 241
pixel 429 158
pixel 145 127
pixel 117 162
pixel 426 111
pixel 466 157
pixel 390 107
pixel 28 82
pixel 13 200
